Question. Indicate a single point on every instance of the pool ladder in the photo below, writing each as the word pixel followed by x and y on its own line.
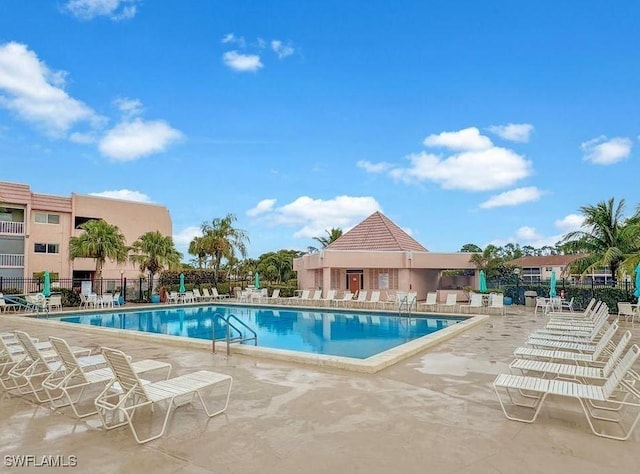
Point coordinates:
pixel 407 305
pixel 229 325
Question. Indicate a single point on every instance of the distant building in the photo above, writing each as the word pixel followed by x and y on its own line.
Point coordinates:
pixel 378 255
pixel 35 230
pixel 538 268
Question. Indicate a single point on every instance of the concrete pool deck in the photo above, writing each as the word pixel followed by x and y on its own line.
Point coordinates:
pixel 433 412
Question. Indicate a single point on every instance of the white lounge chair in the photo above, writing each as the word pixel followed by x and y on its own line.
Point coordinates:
pixel 217 296
pixel 37 365
pixel 275 296
pixel 496 303
pixel 197 296
pixel 347 297
pixel 431 303
pixel 626 311
pixel 298 299
pixel 450 303
pixel 584 347
pixel 72 378
pixel 537 390
pixel 475 303
pixel 573 371
pixel 330 298
pixel 374 299
pixel 136 394
pixel 361 299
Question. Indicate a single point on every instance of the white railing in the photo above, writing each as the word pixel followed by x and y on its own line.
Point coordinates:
pixel 11 227
pixel 11 260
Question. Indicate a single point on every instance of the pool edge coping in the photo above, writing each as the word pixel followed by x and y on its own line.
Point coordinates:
pixel 369 365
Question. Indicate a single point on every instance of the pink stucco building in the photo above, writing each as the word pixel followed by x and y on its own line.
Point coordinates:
pixel 35 230
pixel 378 255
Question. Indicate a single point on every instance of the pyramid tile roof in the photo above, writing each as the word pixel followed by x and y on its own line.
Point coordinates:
pixel 377 232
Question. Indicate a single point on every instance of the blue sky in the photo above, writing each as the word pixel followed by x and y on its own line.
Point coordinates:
pixel 462 121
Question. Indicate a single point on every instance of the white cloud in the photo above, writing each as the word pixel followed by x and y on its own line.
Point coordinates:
pixel 462 140
pixel 130 140
pixel 515 132
pixel 374 167
pixel 230 38
pixel 263 206
pixel 124 194
pixel 34 92
pixel 129 107
pixel 242 62
pixel 186 235
pixel 527 233
pixel 514 197
pixel 483 170
pixel 114 9
pixel 569 223
pixel 604 151
pixel 312 217
pixel 282 50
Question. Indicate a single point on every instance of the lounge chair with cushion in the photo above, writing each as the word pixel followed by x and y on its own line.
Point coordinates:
pixel 450 303
pixel 431 303
pixel 136 395
pixel 611 409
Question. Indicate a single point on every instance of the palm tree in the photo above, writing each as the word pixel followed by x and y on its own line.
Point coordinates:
pixel 100 241
pixel 608 240
pixel 154 251
pixel 221 240
pixel 332 235
pixel 196 247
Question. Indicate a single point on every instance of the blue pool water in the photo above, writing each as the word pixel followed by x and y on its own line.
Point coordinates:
pixel 357 335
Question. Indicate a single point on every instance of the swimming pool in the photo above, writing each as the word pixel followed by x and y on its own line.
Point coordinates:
pixel 356 335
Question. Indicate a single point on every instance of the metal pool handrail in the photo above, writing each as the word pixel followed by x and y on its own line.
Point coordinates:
pixel 229 326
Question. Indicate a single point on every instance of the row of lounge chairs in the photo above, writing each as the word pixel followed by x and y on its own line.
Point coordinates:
pixel 54 372
pixel 478 303
pixel 363 299
pixel 576 355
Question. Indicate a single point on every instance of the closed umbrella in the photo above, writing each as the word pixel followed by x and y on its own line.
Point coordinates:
pixel 256 283
pixel 482 282
pixel 182 288
pixel 552 285
pixel 637 292
pixel 47 284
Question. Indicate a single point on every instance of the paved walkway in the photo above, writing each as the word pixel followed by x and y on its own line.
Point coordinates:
pixel 435 412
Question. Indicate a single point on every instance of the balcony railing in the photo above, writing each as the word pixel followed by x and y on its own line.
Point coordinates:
pixel 11 227
pixel 11 260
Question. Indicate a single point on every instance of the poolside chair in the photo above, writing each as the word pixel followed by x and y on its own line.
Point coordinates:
pixel 541 304
pixel 347 297
pixel 136 395
pixel 450 302
pixel 72 378
pixel 374 299
pixel 431 303
pixel 275 296
pixel 172 297
pixel 361 299
pixel 330 298
pixel 116 299
pixel 54 303
pixel 197 296
pixel 573 371
pixel 584 347
pixel 316 297
pixel 475 303
pixel 37 365
pixel 304 295
pixel 217 296
pixel 621 379
pixel 106 301
pixel 626 311
pixel 4 306
pixel 496 303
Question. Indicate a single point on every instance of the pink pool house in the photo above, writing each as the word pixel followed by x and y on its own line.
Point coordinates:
pixel 378 255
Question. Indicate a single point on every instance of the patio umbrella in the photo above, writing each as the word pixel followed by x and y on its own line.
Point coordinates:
pixel 47 284
pixel 182 288
pixel 482 282
pixel 256 283
pixel 552 285
pixel 637 292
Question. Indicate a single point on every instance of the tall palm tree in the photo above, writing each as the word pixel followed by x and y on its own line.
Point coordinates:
pixel 154 251
pixel 100 241
pixel 607 241
pixel 220 239
pixel 332 235
pixel 196 247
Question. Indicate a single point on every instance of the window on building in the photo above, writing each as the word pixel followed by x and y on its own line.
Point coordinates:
pixel 79 220
pixel 44 218
pixel 46 248
pixel 548 269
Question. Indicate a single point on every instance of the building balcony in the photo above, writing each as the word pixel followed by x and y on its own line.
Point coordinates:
pixel 11 260
pixel 12 228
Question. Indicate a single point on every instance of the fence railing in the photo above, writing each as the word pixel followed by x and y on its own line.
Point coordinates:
pixel 11 227
pixel 11 260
